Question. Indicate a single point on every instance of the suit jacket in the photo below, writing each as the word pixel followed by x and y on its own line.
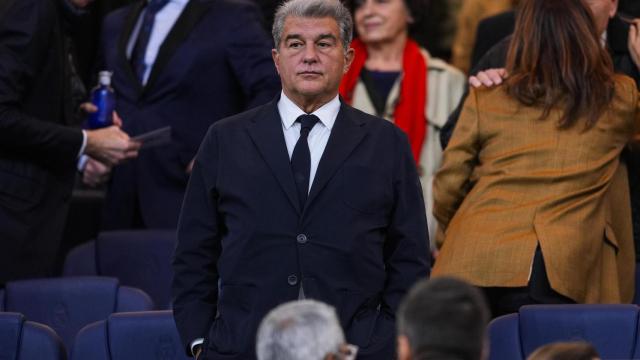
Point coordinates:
pixel 510 182
pixel 37 150
pixel 245 245
pixel 215 62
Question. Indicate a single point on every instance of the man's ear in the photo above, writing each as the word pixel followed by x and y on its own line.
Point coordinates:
pixel 404 350
pixel 348 57
pixel 275 55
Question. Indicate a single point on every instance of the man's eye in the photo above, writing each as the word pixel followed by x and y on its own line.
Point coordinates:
pixel 295 45
pixel 324 44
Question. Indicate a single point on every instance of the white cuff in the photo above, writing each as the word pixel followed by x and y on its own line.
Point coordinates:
pixel 194 343
pixel 84 143
pixel 82 162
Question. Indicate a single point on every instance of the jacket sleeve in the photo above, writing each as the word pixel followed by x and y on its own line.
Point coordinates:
pixel 195 282
pixel 249 54
pixel 25 31
pixel 451 182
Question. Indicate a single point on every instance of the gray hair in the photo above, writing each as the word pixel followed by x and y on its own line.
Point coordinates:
pixel 299 330
pixel 314 9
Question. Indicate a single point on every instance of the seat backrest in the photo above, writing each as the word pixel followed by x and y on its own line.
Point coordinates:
pixel 612 329
pixel 138 258
pixel 25 340
pixel 68 304
pixel 81 261
pixel 131 336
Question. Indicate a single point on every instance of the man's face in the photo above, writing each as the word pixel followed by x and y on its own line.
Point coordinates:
pixel 311 59
pixel 602 10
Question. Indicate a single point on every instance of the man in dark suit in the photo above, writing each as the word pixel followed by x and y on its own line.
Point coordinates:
pixel 38 148
pixel 304 197
pixel 183 64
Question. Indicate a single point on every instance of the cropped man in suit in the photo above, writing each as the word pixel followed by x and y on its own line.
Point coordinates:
pixel 38 147
pixel 304 197
pixel 183 64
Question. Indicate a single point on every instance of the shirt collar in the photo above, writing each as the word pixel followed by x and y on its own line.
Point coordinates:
pixel 289 111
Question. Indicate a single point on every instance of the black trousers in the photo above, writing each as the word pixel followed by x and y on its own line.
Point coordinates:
pixel 506 300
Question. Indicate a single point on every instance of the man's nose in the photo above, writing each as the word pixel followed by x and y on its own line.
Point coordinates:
pixel 310 54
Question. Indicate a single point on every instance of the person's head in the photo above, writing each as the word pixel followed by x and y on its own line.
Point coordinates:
pixel 300 330
pixel 442 318
pixel 578 350
pixel 382 21
pixel 556 59
pixel 602 11
pixel 312 52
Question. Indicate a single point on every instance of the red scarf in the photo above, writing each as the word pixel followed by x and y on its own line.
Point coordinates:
pixel 409 114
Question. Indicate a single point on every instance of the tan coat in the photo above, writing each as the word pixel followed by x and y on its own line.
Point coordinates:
pixel 445 88
pixel 510 181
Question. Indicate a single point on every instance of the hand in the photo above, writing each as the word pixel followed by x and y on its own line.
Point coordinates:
pixel 88 108
pixel 95 173
pixel 488 78
pixel 198 352
pixel 633 42
pixel 111 145
pixel 190 166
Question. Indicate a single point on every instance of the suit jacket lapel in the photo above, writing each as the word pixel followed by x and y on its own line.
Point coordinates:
pixel 266 133
pixel 123 41
pixel 346 134
pixel 180 31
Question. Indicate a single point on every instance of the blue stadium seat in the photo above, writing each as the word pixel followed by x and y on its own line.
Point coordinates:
pixel 138 258
pixel 27 340
pixel 130 336
pixel 612 329
pixel 68 304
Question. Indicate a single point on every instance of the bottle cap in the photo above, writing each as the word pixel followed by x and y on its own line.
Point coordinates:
pixel 105 78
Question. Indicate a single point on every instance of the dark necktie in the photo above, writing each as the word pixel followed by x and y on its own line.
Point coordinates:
pixel 301 157
pixel 140 48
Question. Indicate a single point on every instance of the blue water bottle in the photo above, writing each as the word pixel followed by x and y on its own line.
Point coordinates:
pixel 104 98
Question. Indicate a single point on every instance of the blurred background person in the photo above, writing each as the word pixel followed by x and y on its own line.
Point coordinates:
pixel 577 350
pixel 183 64
pixel 394 78
pixel 302 330
pixel 443 318
pixel 39 148
pixel 521 192
pixel 470 15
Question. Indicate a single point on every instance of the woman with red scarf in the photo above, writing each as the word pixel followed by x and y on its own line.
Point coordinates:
pixel 394 78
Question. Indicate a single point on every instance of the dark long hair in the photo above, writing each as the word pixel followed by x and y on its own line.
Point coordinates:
pixel 556 60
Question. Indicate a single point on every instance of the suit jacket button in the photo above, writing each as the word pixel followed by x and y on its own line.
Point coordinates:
pixel 302 239
pixel 292 280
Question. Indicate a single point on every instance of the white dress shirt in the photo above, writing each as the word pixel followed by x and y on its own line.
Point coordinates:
pixel 319 135
pixel 164 21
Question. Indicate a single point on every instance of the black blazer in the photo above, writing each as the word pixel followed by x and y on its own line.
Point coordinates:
pixel 245 246
pixel 215 62
pixel 38 151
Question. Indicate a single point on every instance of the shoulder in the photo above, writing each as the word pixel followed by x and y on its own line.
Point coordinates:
pixel 375 125
pixel 441 67
pixel 241 120
pixel 118 15
pixel 235 7
pixel 625 92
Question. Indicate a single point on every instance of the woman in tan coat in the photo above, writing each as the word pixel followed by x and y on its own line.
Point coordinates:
pixel 520 194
